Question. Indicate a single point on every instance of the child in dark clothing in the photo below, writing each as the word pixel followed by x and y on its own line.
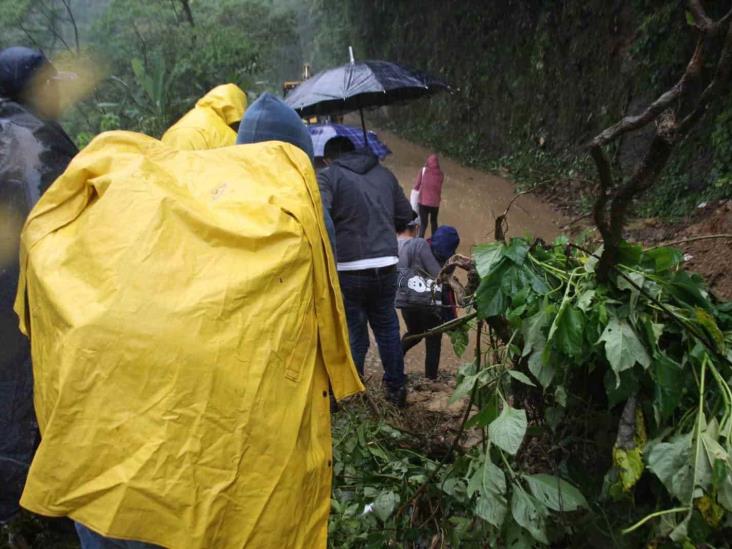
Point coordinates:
pixel 419 255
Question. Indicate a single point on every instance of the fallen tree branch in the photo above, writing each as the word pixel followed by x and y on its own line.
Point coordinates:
pixel 501 224
pixel 691 239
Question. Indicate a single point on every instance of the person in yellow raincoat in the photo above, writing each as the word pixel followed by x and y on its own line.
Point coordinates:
pixel 212 123
pixel 185 322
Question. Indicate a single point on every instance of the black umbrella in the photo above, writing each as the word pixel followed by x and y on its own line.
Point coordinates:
pixel 360 85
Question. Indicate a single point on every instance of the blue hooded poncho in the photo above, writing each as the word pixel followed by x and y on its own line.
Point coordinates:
pixel 271 119
pixel 444 242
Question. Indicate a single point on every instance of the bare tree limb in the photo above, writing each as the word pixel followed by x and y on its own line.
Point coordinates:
pixel 187 10
pixel 73 24
pixel 692 239
pixel 720 79
pixel 630 123
pixel 606 184
pixel 703 22
pixel 501 224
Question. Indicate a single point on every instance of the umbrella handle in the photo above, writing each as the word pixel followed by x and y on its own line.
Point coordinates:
pixel 350 55
pixel 363 127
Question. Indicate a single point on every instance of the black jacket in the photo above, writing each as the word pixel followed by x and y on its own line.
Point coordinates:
pixel 367 206
pixel 33 153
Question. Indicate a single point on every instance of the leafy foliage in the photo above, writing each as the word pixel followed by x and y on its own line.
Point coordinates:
pixel 654 337
pixel 156 62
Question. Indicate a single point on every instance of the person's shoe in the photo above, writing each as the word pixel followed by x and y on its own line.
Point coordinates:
pixel 398 397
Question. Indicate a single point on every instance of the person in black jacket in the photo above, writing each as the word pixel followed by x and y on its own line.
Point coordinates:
pixel 368 208
pixel 34 151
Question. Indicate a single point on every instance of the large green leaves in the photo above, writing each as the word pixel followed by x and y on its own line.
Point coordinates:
pixel 623 349
pixel 669 385
pixel 507 430
pixel 528 512
pixel 384 504
pixel 486 257
pixel 556 493
pixel 671 463
pixel 570 329
pixel 491 504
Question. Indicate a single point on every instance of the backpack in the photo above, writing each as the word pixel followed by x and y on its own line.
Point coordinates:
pixel 416 289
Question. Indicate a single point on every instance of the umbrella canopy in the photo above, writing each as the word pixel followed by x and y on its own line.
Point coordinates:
pixel 322 133
pixel 360 85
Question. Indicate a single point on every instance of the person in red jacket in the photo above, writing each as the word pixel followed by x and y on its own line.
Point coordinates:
pixel 429 184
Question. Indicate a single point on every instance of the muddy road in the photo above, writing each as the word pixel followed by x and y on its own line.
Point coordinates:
pixel 471 201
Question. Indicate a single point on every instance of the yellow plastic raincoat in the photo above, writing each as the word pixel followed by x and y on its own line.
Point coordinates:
pixel 207 125
pixel 185 323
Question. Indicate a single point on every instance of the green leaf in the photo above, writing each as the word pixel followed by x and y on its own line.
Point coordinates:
pixel 491 509
pixel 629 254
pixel 490 299
pixel 671 463
pixel 487 256
pixel 521 377
pixel 668 386
pixel 623 349
pixel 560 396
pixel 541 369
pixel 569 333
pixel 517 537
pixel 529 513
pixel 464 388
pixel 507 430
pixel 584 300
pixel 517 250
pixel 629 464
pixel 532 330
pixel 710 325
pixel 384 504
pixel 459 340
pixel 488 413
pixel 662 259
pixel 687 290
pixel 555 493
pixel 492 505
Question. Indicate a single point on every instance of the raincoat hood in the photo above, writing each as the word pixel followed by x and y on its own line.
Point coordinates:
pixel 227 100
pixel 360 161
pixel 270 119
pixel 208 124
pixel 433 162
pixel 17 66
pixel 444 242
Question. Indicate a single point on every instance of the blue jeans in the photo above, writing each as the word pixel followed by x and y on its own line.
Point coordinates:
pixel 91 540
pixel 369 297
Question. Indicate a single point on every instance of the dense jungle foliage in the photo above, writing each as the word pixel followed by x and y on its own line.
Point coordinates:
pixel 537 80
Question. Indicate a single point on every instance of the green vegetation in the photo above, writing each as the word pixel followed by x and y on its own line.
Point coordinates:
pixel 605 413
pixel 154 61
pixel 537 82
